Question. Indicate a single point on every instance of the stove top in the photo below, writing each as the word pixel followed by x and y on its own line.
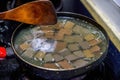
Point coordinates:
pixel 10 69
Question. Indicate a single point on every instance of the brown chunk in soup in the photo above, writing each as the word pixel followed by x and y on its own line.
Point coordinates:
pixel 65 65
pixel 24 46
pixel 95 49
pixel 84 45
pixel 88 54
pixel 59 35
pixel 80 30
pixel 39 55
pixel 64 52
pixel 50 65
pixel 89 37
pixel 57 57
pixel 73 47
pixel 79 53
pixel 95 42
pixel 80 63
pixel 48 58
pixel 28 53
pixel 60 46
pixel 69 25
pixel 71 57
pixel 73 38
pixel 48 33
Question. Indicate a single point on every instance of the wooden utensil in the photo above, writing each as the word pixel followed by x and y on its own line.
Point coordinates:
pixel 36 12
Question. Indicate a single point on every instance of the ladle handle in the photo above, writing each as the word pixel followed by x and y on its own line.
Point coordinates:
pixel 2 15
pixel 40 12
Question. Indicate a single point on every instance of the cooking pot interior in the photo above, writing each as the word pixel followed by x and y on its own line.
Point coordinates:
pixel 73 43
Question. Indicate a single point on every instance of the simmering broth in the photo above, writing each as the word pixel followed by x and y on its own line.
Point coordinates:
pixel 69 44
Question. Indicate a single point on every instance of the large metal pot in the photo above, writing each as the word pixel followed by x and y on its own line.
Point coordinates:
pixel 60 74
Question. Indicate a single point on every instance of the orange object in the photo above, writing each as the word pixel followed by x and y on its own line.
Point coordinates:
pixel 36 12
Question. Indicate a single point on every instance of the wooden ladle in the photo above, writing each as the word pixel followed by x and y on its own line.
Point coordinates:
pixel 40 12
